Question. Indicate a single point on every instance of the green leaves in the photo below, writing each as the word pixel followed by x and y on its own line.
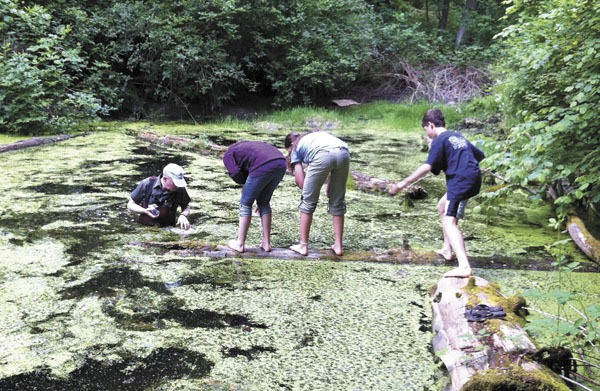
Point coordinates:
pixel 550 89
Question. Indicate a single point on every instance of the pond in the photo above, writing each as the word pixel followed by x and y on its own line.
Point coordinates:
pixel 84 306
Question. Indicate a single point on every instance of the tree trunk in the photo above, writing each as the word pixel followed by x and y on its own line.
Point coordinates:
pixel 444 14
pixel 404 255
pixel 470 5
pixel 493 354
pixel 583 238
pixel 180 142
pixel 371 184
pixel 34 142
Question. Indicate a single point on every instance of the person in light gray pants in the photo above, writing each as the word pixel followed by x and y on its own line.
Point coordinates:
pixel 325 156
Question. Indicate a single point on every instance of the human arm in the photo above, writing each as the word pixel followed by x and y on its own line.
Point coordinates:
pixel 478 153
pixel 182 220
pixel 133 207
pixel 233 170
pixel 409 180
pixel 298 171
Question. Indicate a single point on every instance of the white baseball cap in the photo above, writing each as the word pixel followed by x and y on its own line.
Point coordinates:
pixel 175 172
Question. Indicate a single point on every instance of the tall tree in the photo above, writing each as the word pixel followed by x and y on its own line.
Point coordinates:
pixel 470 5
pixel 444 14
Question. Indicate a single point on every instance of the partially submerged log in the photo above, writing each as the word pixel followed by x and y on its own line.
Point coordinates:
pixel 371 184
pixel 583 238
pixel 198 249
pixel 493 354
pixel 34 142
pixel 180 142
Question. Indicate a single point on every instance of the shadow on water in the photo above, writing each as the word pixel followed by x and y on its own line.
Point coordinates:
pixel 144 315
pixel 130 374
pixel 111 279
pixel 250 353
pixel 59 188
pixel 144 320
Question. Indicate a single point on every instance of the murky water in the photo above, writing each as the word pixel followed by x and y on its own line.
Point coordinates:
pixel 83 307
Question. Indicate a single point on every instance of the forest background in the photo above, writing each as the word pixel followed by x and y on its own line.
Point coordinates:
pixel 532 65
pixel 536 63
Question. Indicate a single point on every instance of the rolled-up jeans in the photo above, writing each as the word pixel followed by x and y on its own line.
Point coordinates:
pixel 335 163
pixel 260 188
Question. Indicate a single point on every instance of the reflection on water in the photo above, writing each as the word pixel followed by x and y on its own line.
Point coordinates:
pixel 83 308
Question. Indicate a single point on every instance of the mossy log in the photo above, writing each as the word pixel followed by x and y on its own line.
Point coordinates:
pixel 197 249
pixel 583 238
pixel 493 354
pixel 180 142
pixel 371 184
pixel 34 142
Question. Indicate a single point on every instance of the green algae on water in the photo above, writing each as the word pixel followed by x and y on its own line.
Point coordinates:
pixel 79 296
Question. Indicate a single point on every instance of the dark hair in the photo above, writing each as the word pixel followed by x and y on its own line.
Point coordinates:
pixel 435 116
pixel 291 138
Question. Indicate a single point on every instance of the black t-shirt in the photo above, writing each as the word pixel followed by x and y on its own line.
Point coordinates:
pixel 459 159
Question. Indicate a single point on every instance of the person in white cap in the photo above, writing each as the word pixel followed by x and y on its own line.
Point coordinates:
pixel 156 199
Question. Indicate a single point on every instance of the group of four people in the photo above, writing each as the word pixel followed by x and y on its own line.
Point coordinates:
pixel 317 158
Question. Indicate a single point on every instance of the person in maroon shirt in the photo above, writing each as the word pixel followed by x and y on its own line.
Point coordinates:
pixel 259 167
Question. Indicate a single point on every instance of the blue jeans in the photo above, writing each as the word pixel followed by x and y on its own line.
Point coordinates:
pixel 260 189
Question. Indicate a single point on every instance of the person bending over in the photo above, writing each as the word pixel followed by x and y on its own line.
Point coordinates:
pixel 259 167
pixel 325 156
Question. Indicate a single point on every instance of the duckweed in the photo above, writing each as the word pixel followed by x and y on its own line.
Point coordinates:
pixel 83 306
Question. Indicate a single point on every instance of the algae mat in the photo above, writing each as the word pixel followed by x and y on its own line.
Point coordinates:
pixel 82 308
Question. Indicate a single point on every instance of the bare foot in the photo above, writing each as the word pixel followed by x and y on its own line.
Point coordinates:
pixel 337 250
pixel 459 272
pixel 301 248
pixel 235 245
pixel 448 256
pixel 266 246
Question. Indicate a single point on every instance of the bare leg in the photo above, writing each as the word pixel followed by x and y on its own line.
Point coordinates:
pixel 239 244
pixel 338 233
pixel 266 227
pixel 457 243
pixel 446 250
pixel 305 223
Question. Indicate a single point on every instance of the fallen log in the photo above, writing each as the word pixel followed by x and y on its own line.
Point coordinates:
pixel 34 142
pixel 492 354
pixel 181 142
pixel 583 238
pixel 198 249
pixel 371 184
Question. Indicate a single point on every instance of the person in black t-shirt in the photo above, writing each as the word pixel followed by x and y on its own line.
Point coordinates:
pixel 459 159
pixel 156 199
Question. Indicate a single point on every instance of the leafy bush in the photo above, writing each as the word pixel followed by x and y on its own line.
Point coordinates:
pixel 39 75
pixel 550 89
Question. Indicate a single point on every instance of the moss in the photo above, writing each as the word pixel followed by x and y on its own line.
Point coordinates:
pixel 514 378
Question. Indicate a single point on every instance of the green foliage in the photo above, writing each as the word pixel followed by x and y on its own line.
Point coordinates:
pixel 575 325
pixel 39 75
pixel 550 89
pixel 306 50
